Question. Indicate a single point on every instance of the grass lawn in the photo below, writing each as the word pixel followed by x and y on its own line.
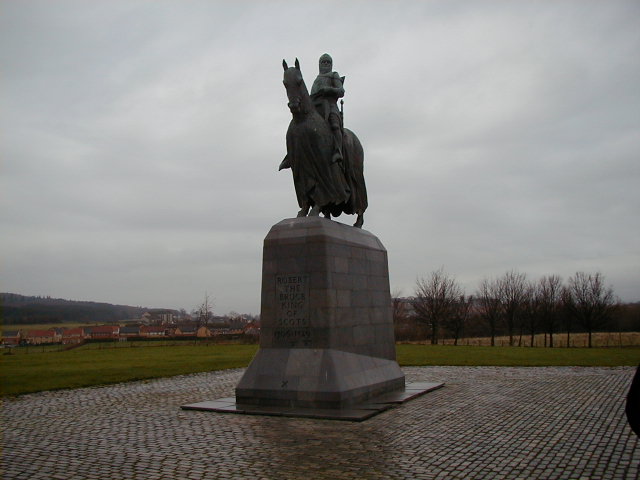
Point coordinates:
pixel 516 356
pixel 81 367
pixel 85 367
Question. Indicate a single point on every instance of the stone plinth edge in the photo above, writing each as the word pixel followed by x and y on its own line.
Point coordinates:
pixel 354 413
pixel 318 378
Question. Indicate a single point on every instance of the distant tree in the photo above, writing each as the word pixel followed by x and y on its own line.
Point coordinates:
pixel 456 321
pixel 435 298
pixel 530 314
pixel 396 297
pixel 398 309
pixel 628 317
pixel 405 324
pixel 549 299
pixel 401 327
pixel 566 312
pixel 204 312
pixel 512 288
pixel 19 309
pixel 488 295
pixel 590 302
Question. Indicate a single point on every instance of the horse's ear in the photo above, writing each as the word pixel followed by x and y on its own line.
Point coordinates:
pixel 297 64
pixel 284 64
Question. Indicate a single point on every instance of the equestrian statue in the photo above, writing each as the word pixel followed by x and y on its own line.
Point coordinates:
pixel 326 159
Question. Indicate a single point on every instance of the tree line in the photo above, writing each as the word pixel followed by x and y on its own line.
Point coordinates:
pixel 511 305
pixel 20 309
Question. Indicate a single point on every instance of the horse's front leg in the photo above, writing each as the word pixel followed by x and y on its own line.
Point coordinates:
pixel 303 211
pixel 359 221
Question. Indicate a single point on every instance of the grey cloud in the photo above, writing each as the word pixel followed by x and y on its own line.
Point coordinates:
pixel 141 140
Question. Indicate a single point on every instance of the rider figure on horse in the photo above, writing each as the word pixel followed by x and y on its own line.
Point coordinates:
pixel 325 92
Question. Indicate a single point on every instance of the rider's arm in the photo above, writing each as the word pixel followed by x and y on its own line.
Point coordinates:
pixel 336 85
pixel 335 90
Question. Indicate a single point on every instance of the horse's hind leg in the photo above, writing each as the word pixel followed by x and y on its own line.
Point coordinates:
pixel 359 221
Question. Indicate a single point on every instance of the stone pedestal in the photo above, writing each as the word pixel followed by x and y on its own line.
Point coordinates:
pixel 326 323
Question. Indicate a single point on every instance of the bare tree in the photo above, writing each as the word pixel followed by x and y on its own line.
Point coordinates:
pixel 548 294
pixel 513 295
pixel 566 301
pixel 435 298
pixel 488 295
pixel 204 312
pixel 590 302
pixel 457 319
pixel 530 314
pixel 398 307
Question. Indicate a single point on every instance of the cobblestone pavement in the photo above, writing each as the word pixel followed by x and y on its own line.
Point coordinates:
pixel 486 423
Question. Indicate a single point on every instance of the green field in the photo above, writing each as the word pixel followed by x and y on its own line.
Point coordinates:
pixel 85 367
pixel 81 367
pixel 516 356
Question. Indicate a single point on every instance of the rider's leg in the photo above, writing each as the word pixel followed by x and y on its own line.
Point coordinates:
pixel 336 129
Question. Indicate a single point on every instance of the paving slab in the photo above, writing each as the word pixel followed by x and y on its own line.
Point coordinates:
pixel 486 423
pixel 355 413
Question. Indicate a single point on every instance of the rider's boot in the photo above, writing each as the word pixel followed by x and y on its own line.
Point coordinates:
pixel 337 141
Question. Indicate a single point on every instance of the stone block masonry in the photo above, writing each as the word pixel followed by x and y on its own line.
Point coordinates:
pixel 326 337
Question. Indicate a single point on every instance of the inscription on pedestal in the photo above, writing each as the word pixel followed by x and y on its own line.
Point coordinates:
pixel 293 328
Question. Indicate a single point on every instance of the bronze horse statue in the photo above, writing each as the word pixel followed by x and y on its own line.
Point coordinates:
pixel 322 184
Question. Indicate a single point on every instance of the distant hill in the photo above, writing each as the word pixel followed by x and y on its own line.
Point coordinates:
pixel 21 309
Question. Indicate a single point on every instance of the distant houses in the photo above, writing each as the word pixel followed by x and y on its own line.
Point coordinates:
pixel 38 337
pixel 158 317
pixel 11 337
pixel 252 328
pixel 189 330
pixel 193 330
pixel 103 332
pixel 75 335
pixel 155 331
pixel 129 331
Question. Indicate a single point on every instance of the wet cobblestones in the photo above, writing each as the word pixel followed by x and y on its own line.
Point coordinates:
pixel 486 423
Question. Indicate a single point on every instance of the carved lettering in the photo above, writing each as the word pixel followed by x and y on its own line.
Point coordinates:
pixel 293 328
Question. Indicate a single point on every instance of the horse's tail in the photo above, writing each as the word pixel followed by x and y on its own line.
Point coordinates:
pixel 354 172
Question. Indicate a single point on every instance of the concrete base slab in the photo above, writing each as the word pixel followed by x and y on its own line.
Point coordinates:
pixel 411 391
pixel 316 378
pixel 354 413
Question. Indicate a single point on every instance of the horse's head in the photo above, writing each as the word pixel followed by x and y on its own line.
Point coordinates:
pixel 296 89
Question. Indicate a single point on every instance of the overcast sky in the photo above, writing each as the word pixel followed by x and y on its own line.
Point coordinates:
pixel 140 140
